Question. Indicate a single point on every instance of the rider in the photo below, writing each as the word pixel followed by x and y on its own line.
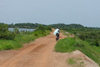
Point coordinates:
pixel 56 32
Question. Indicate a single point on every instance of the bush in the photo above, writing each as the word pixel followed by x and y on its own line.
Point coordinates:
pixel 78 43
pixel 3 27
pixel 43 28
pixel 5 34
pixel 16 31
pixel 95 43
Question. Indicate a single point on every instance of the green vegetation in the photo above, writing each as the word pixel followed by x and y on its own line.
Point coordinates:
pixel 9 44
pixel 19 38
pixel 87 40
pixel 75 62
pixel 35 25
pixel 89 34
pixel 71 61
pixel 65 45
pixel 5 34
pixel 71 44
pixel 25 25
pixel 64 26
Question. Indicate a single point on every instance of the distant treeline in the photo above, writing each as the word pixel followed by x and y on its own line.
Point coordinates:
pixel 59 25
pixel 72 27
pixel 25 25
pixel 65 26
pixel 35 25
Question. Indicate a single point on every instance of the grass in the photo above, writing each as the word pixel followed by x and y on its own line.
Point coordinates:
pixel 9 44
pixel 21 39
pixel 75 62
pixel 65 45
pixel 71 61
pixel 71 44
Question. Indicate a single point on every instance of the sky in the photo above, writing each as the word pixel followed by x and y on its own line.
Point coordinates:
pixel 85 12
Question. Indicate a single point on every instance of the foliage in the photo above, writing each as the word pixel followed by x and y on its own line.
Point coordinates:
pixel 16 31
pixel 90 35
pixel 71 44
pixel 64 26
pixel 9 44
pixel 35 25
pixel 43 27
pixel 21 38
pixel 64 44
pixel 24 25
pixel 5 34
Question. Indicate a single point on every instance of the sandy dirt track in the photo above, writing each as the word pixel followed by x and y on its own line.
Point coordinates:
pixel 40 53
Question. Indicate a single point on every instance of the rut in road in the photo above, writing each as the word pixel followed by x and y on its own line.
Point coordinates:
pixel 35 54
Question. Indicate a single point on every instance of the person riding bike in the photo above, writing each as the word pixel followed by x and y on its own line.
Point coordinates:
pixel 56 32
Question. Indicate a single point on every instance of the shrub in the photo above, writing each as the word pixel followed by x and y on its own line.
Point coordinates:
pixel 5 34
pixel 95 43
pixel 79 43
pixel 16 31
pixel 42 27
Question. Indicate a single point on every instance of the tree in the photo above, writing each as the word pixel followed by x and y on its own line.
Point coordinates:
pixel 4 33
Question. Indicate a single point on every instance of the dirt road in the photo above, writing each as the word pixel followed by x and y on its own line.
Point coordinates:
pixel 35 54
pixel 39 53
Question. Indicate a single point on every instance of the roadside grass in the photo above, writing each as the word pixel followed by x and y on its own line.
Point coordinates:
pixel 25 38
pixel 21 39
pixel 71 61
pixel 75 62
pixel 65 45
pixel 71 44
pixel 9 44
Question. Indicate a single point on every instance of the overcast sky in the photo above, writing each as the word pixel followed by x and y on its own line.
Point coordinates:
pixel 85 12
